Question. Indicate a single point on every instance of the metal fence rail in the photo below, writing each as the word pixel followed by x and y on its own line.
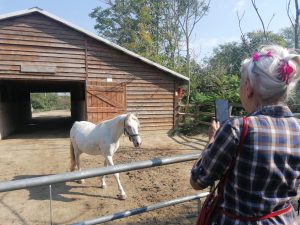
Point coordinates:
pixel 77 175
pixel 144 209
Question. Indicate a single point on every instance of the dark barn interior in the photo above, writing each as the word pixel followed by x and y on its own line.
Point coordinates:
pixel 15 105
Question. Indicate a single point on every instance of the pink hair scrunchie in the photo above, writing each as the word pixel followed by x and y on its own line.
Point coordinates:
pixel 285 71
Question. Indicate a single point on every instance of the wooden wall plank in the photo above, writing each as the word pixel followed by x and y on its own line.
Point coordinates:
pixel 39 49
pixel 42 75
pixel 29 36
pixel 41 59
pixel 20 31
pixel 31 42
pixel 39 77
pixel 40 63
pixel 40 54
pixel 58 31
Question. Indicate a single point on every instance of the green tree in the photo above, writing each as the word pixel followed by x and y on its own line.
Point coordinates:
pixel 49 101
pixel 219 75
pixel 288 34
pixel 294 21
pixel 229 57
pixel 116 22
pixel 157 30
pixel 133 24
pixel 255 40
pixel 190 12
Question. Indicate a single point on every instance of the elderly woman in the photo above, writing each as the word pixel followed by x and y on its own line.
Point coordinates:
pixel 266 173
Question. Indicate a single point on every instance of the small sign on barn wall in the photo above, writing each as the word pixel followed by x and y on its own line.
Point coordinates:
pixel 109 78
pixel 37 69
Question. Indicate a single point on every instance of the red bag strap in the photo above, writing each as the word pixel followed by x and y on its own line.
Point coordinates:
pixel 257 218
pixel 242 140
pixel 243 134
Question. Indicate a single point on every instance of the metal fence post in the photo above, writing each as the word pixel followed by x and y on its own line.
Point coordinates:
pixel 199 205
pixel 50 198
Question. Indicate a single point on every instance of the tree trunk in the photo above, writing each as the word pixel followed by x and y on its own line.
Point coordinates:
pixel 297 25
pixel 188 61
pixel 187 41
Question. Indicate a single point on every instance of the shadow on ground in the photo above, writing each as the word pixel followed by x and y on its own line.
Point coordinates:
pixel 44 127
pixel 60 191
pixel 189 141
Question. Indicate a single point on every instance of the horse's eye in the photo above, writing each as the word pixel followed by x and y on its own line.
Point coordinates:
pixel 129 127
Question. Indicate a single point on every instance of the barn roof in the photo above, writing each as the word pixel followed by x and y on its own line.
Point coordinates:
pixel 92 35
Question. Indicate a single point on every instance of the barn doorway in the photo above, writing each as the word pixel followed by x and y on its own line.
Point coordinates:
pixel 18 116
pixel 50 114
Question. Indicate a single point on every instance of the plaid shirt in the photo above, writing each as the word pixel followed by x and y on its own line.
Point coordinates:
pixel 267 170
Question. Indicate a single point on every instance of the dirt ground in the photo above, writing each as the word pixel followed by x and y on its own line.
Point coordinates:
pixel 43 149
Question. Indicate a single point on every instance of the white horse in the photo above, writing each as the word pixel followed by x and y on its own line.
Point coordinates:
pixel 103 139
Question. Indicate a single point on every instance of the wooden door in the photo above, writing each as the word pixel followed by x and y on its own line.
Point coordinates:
pixel 105 100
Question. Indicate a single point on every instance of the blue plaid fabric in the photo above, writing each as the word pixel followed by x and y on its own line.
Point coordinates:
pixel 267 171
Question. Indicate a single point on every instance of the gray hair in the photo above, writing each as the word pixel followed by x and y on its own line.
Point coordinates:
pixel 264 75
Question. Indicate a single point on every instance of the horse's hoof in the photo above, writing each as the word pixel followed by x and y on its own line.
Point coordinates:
pixel 80 181
pixel 103 186
pixel 122 197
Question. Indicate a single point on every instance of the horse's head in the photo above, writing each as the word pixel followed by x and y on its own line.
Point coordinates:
pixel 131 128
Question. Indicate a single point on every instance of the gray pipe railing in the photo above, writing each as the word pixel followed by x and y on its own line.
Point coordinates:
pixel 144 209
pixel 69 176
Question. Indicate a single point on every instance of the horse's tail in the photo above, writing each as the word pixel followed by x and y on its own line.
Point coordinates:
pixel 72 157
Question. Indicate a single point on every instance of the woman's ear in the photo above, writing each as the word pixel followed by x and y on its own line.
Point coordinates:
pixel 249 89
pixel 296 60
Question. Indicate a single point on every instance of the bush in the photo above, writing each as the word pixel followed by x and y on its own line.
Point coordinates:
pixel 49 101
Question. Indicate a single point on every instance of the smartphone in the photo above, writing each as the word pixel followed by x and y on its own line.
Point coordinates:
pixel 221 110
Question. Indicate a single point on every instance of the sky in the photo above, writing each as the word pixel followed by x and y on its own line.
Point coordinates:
pixel 218 27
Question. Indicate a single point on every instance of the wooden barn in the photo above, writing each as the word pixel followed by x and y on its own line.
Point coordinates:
pixel 40 52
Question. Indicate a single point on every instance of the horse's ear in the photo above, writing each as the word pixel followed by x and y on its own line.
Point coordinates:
pixel 136 114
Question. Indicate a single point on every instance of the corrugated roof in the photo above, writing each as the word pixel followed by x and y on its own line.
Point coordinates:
pixel 92 35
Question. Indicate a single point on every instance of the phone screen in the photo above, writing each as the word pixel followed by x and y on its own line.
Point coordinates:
pixel 221 110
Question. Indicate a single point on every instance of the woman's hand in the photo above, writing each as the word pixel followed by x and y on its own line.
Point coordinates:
pixel 196 186
pixel 213 129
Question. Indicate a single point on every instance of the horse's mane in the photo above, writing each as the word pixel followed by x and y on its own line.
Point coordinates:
pixel 132 115
pixel 99 124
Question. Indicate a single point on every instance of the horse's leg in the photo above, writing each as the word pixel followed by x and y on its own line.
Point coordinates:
pixel 72 157
pixel 77 160
pixel 122 194
pixel 104 185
